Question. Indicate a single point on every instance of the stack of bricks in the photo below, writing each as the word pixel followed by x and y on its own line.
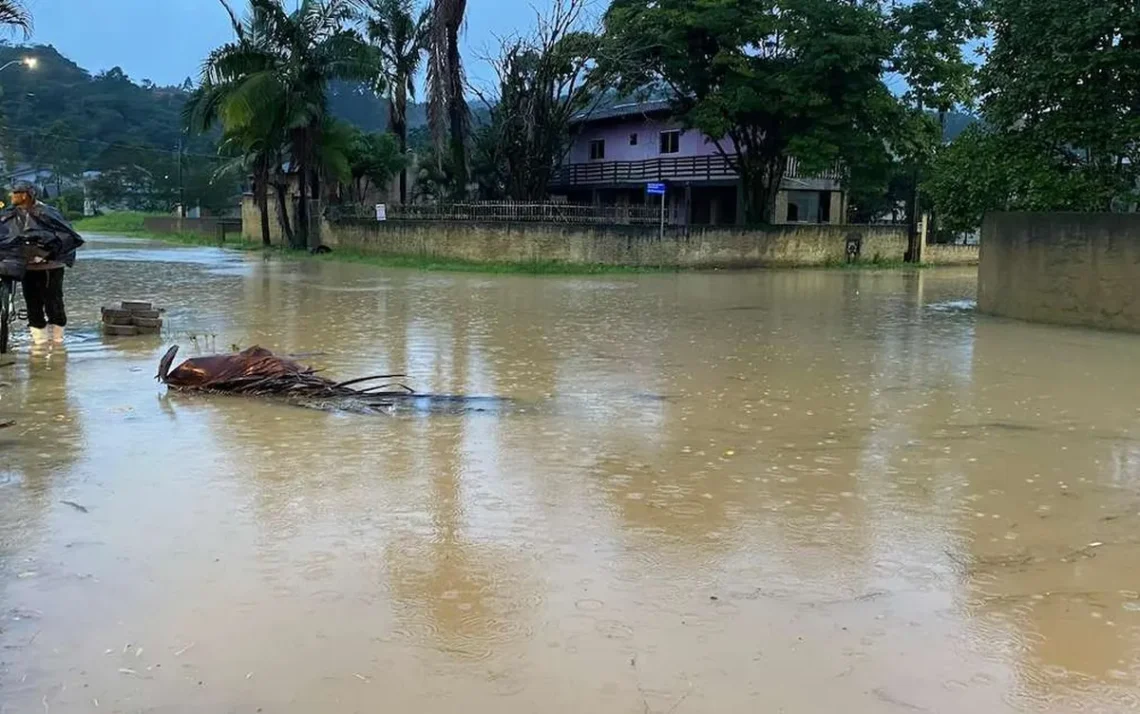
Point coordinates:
pixel 131 318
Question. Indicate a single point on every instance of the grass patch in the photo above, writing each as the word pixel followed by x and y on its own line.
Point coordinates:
pixel 876 263
pixel 428 263
pixel 128 223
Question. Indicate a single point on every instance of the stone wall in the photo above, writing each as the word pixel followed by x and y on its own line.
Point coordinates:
pixel 251 220
pixel 1062 268
pixel 721 247
pixel 946 254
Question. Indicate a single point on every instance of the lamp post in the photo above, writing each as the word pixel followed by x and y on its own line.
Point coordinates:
pixel 29 62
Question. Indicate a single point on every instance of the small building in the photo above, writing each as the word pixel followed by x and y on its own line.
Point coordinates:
pixel 620 147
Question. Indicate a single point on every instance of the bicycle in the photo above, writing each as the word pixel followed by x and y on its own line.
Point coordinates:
pixel 12 268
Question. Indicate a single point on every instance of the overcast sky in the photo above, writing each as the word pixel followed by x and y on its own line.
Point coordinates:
pixel 165 41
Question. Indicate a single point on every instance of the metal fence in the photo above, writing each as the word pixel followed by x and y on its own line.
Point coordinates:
pixel 509 212
pixel 671 168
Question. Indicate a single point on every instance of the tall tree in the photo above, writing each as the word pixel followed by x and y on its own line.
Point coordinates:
pixel 447 106
pixel 932 37
pixel 764 79
pixel 543 81
pixel 1064 76
pixel 276 74
pixel 401 36
pixel 1061 114
pixel 251 153
pixel 14 15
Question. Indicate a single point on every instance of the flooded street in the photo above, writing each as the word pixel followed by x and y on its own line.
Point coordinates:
pixel 801 491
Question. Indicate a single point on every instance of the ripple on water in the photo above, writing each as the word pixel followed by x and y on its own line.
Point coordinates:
pixel 589 605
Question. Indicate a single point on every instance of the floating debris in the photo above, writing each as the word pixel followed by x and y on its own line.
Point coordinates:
pixel 76 506
pixel 258 372
pixel 185 649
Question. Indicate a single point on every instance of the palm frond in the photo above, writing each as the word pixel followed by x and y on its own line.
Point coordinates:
pixel 16 16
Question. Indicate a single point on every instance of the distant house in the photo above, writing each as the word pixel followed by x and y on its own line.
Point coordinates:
pixel 43 178
pixel 621 147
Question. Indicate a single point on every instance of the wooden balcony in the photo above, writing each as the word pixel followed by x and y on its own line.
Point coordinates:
pixel 669 168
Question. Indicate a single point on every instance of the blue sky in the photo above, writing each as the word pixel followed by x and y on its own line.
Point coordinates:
pixel 165 40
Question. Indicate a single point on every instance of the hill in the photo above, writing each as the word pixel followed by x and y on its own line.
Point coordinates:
pixel 60 112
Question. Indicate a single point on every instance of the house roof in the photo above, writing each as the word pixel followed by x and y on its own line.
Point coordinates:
pixel 617 106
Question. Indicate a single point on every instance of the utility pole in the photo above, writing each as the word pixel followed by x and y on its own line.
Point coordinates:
pixel 181 188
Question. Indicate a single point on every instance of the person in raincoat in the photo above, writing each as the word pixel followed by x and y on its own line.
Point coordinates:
pixel 43 281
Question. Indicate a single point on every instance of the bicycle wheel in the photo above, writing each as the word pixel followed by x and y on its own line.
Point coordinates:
pixel 5 313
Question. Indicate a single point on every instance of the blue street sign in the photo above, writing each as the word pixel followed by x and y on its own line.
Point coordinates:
pixel 655 189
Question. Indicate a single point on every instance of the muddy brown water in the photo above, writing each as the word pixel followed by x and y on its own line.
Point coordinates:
pixel 780 492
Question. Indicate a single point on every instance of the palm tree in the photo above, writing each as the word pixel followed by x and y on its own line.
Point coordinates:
pixel 249 147
pixel 401 40
pixel 251 154
pixel 275 77
pixel 447 108
pixel 15 16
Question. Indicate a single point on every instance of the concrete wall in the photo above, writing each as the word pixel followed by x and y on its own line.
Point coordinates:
pixel 945 254
pixel 213 227
pixel 1063 268
pixel 614 245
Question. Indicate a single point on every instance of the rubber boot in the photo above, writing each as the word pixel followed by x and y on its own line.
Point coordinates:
pixel 39 335
pixel 56 334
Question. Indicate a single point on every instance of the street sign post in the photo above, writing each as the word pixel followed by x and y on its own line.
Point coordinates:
pixel 658 189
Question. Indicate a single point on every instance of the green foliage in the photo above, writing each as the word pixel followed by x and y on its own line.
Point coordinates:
pixel 995 171
pixel 15 16
pixel 1061 114
pixel 401 36
pixel 374 159
pixel 543 81
pixel 1061 80
pixel 60 119
pixel 930 54
pixel 269 89
pixel 69 203
pixel 773 77
pixel 59 103
pixel 127 223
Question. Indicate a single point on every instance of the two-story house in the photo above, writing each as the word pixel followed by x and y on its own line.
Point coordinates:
pixel 621 147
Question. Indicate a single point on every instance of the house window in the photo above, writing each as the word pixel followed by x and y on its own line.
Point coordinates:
pixel 633 139
pixel 597 149
pixel 670 142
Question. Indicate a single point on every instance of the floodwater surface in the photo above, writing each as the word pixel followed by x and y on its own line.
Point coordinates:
pixel 804 491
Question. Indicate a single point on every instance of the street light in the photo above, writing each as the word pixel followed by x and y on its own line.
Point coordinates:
pixel 29 62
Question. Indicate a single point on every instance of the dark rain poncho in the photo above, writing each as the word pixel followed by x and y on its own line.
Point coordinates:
pixel 46 230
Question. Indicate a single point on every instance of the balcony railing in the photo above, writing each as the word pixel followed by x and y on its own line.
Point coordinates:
pixel 671 168
pixel 507 211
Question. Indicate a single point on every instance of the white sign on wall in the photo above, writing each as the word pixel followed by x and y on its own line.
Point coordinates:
pixel 381 212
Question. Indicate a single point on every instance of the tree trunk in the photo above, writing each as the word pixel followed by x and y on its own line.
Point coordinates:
pixel 261 194
pixel 263 209
pixel 400 128
pixel 282 190
pixel 301 233
pixel 457 111
pixel 314 236
pixel 301 154
pixel 760 182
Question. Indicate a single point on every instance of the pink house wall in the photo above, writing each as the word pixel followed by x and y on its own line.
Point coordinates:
pixel 616 136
